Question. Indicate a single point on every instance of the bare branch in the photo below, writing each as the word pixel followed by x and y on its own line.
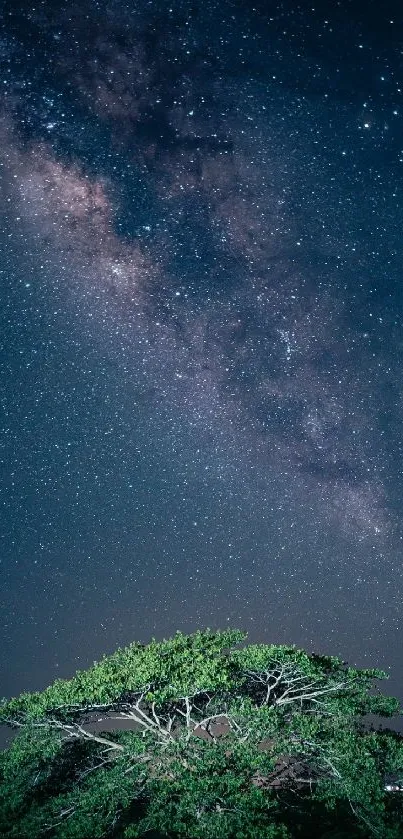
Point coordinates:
pixel 75 730
pixel 300 697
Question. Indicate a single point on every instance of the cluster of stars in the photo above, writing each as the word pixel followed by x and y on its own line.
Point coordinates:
pixel 199 293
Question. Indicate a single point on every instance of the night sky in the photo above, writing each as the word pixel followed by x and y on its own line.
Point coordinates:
pixel 201 336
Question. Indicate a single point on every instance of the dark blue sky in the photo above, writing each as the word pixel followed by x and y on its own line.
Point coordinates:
pixel 201 341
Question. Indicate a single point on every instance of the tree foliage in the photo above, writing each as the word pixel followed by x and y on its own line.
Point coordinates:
pixel 225 743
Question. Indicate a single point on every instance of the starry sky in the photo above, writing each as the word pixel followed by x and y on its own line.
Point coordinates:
pixel 201 339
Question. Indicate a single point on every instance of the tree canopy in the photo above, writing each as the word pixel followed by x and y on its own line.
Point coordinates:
pixel 225 742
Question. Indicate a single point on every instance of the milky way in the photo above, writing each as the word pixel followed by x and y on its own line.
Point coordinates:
pixel 216 246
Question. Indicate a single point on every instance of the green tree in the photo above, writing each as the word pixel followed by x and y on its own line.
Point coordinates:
pixel 257 742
